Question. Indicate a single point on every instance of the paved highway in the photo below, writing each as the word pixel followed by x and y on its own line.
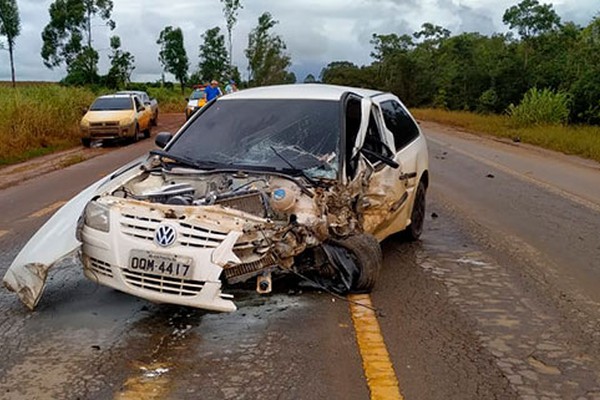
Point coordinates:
pixel 498 301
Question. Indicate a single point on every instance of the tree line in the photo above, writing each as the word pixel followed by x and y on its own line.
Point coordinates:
pixel 475 72
pixel 68 41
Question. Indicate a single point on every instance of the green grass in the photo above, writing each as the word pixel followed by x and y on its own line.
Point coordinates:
pixel 581 140
pixel 39 118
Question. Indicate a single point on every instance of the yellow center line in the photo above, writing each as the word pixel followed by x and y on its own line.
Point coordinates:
pixel 47 210
pixel 379 371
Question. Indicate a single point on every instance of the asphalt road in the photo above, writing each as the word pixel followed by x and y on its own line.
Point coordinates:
pixel 498 301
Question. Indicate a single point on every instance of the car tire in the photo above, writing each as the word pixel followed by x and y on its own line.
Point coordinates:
pixel 417 217
pixel 136 135
pixel 147 133
pixel 155 120
pixel 86 142
pixel 369 259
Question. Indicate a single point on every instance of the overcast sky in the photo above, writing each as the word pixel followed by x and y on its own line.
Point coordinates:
pixel 316 31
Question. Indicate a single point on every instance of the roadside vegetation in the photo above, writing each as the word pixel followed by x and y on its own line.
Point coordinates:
pixel 581 140
pixel 40 118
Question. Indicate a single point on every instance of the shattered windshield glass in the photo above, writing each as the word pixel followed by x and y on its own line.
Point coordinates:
pixel 300 135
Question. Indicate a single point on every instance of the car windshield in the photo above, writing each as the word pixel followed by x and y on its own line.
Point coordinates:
pixel 300 135
pixel 197 94
pixel 112 103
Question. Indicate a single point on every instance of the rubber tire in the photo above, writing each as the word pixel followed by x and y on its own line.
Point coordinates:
pixel 136 135
pixel 86 142
pixel 417 217
pixel 367 252
pixel 147 133
pixel 155 120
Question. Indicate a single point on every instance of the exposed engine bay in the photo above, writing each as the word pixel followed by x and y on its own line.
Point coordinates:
pixel 288 224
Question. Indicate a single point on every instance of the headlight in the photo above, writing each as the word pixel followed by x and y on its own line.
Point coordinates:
pixel 97 216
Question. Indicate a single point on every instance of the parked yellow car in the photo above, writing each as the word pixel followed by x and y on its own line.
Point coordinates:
pixel 116 117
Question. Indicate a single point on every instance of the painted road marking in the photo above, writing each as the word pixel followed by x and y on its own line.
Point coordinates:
pixel 553 189
pixel 377 365
pixel 2 233
pixel 48 210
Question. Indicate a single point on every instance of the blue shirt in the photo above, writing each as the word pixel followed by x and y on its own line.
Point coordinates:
pixel 212 92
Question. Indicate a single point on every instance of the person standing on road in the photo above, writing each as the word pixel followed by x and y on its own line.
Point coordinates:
pixel 231 87
pixel 212 91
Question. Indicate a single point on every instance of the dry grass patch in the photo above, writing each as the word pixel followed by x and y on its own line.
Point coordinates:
pixel 579 140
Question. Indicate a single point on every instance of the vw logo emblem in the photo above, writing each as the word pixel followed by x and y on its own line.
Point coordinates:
pixel 165 235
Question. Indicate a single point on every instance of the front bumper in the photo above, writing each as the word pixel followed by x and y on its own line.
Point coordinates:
pixel 107 132
pixel 106 261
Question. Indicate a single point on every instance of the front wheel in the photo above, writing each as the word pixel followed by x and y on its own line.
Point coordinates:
pixel 414 231
pixel 368 259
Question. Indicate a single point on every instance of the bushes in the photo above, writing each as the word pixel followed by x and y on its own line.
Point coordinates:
pixel 38 119
pixel 540 107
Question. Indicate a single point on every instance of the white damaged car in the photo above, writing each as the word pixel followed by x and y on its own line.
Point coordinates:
pixel 294 179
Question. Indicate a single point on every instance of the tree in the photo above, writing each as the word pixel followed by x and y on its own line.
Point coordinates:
pixel 71 23
pixel 267 60
pixel 10 27
pixel 386 45
pixel 213 56
pixel 310 78
pixel 172 54
pixel 121 65
pixel 230 10
pixel 531 18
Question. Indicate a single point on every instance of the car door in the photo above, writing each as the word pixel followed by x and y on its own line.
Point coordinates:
pixel 143 116
pixel 403 130
pixel 385 195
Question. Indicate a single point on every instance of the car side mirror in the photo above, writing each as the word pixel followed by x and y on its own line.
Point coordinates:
pixel 162 139
pixel 380 157
pixel 147 103
pixel 142 108
pixel 84 110
pixel 187 99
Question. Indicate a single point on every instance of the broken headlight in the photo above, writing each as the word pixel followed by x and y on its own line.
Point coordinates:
pixel 97 216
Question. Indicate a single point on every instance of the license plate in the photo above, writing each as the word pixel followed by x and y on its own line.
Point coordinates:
pixel 170 265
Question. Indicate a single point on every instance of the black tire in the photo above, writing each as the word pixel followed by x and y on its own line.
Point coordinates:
pixel 136 135
pixel 147 133
pixel 86 142
pixel 369 259
pixel 155 120
pixel 417 217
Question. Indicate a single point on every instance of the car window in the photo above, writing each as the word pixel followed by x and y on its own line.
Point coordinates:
pixel 276 134
pixel 197 94
pixel 373 138
pixel 138 104
pixel 112 104
pixel 399 122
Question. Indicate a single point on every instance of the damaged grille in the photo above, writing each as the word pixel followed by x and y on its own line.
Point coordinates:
pixel 100 267
pixel 189 235
pixel 163 284
pixel 252 203
pixel 241 272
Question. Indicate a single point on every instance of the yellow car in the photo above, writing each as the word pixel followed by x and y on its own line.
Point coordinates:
pixel 115 117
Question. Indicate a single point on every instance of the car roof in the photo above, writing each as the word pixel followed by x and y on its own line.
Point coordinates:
pixel 314 91
pixel 115 96
pixel 130 92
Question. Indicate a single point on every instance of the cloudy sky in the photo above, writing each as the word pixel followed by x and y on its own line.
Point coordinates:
pixel 316 31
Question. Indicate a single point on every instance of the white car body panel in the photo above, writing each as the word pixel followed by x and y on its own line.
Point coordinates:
pixel 107 256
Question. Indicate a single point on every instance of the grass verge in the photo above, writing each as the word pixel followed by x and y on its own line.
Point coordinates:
pixel 40 118
pixel 578 140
